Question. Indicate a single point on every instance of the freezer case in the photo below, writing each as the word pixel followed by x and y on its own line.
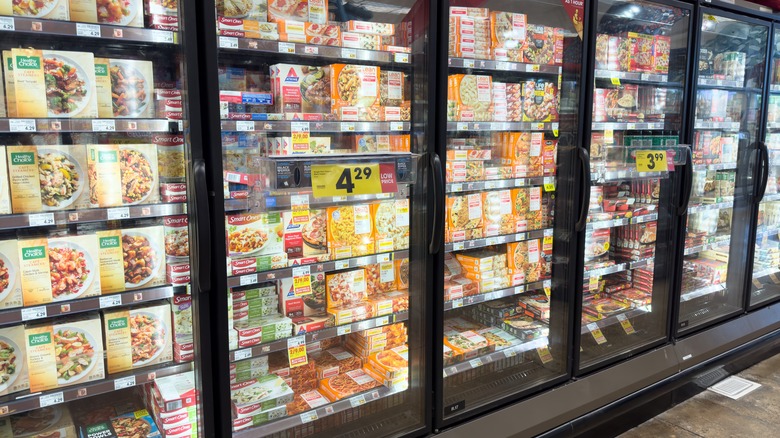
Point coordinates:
pixel 635 158
pixel 727 122
pixel 96 325
pixel 322 115
pixel 512 85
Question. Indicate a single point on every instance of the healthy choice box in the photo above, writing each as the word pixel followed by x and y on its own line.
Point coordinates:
pixel 131 258
pixel 51 9
pixel 5 193
pixel 123 175
pixel 119 13
pixel 10 275
pixel 138 337
pixel 48 422
pixel 13 360
pixel 64 353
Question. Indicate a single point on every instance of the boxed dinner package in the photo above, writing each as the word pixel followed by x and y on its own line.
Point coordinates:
pixel 170 156
pixel 354 86
pixel 469 98
pixel 5 193
pixel 50 421
pixel 132 85
pixel 380 278
pixel 248 369
pixel 174 392
pixel 66 352
pixel 302 302
pixel 306 402
pixel 254 234
pixel 346 384
pixel 177 246
pixel 123 13
pixel 527 208
pixel 335 361
pixel 47 178
pixel 10 275
pixel 524 327
pixel 138 337
pixel 13 360
pixel 315 11
pixel 123 174
pixel 508 32
pixel 544 45
pixel 74 265
pixel 301 89
pixel 137 253
pixel 257 330
pixel 50 10
pixel 464 217
pixel 497 213
pixel 350 231
pixel 540 101
pixel 346 287
pixel 51 83
pixel 103 88
pixel 391 225
pixel 139 423
pixel 254 396
pixel 34 271
pixel 249 10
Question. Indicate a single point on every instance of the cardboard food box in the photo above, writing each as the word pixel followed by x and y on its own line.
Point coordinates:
pixel 346 384
pixel 544 45
pixel 392 363
pixel 249 10
pixel 380 278
pixel 248 369
pixel 369 27
pixel 254 396
pixel 527 208
pixel 171 161
pixel 353 40
pixel 14 360
pixel 540 101
pixel 10 275
pixel 51 421
pixel 103 88
pixel 177 242
pixel 52 10
pixel 9 83
pixel 306 401
pixel 307 304
pixel 138 337
pixel 350 231
pixel 67 352
pixel 641 52
pixel 47 178
pixel 74 264
pixel 138 254
pixel 354 86
pixel 464 217
pixel 254 234
pixel 124 13
pixel 471 97
pixel 254 331
pixel 34 271
pixel 508 31
pixel 335 361
pixel 662 46
pixel 391 88
pixel 315 11
pixel 123 175
pixel 497 213
pixel 181 311
pixel 390 302
pixel 323 34
pixel 5 192
pixel 349 313
pixel 72 74
pixel 301 89
pixel 346 287
pixel 132 86
pixel 134 421
pixel 391 225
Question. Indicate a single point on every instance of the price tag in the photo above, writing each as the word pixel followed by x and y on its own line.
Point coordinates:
pixel 396 126
pixel 356 401
pixel 402 58
pixel 286 47
pixel 457 304
pixel 593 283
pixel 301 281
pixel 311 50
pixel 353 179
pixel 532 68
pixel 300 136
pixel 547 289
pixel 462 126
pixel 626 324
pixel 549 187
pixel 7 23
pixel 242 354
pixel 110 301
pixel 22 125
pixel 651 161
pixel 118 213
pixel 468 63
pixel 595 331
pixel 382 321
pixel 457 246
pixel 296 351
pixel 344 330
pixel 555 132
pixel 41 219
pixel 544 354
pixel 510 352
pixel 308 417
pixel 348 53
pixel 124 382
pixel 88 30
pixel 300 209
pixel 162 36
pixel 246 280
pixel 228 42
pixel 609 136
pixel 104 126
pixel 615 81
pixel 630 125
pixel 347 127
pixel 382 258
pixel 31 313
pixel 502 66
pixel 342 264
pixel 245 126
pixel 475 363
pixel 51 399
pixel 491 241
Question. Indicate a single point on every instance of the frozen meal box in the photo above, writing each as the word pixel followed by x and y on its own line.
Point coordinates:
pixel 350 231
pixel 51 10
pixel 497 213
pixel 306 401
pixel 369 27
pixel 13 360
pixel 354 86
pixel 380 278
pixel 391 364
pixel 335 361
pixel 312 303
pixel 301 89
pixel 47 178
pixel 247 9
pixel 346 384
pixel 51 421
pixel 257 395
pixel 177 240
pixel 132 424
pixel 10 275
pixel 123 175
pixel 143 257
pixel 346 287
pixel 66 352
pixel 138 337
pixel 464 213
pixel 132 85
pixel 543 45
pixel 103 88
pixel 117 13
pixel 34 271
pixel 74 264
pixel 254 234
pixel 391 225
pixel 354 40
pixel 5 192
pixel 469 98
pixel 175 392
pixel 305 236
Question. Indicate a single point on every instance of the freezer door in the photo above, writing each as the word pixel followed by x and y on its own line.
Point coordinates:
pixel 728 115
pixel 635 161
pixel 512 108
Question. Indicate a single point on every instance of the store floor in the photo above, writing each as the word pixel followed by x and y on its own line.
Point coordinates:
pixel 712 415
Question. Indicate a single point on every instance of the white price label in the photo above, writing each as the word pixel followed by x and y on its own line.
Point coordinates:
pixel 475 363
pixel 286 47
pixel 228 42
pixel 462 126
pixel 339 198
pixel 357 401
pixel 161 36
pixel 31 313
pixel 41 219
pixel 383 258
pixel 492 241
pixel 311 50
pixel 124 382
pixel 245 126
pixel 88 30
pixel 299 126
pixel 51 399
pixel 110 301
pixel 21 125
pixel 308 417
pixel 510 352
pixel 296 341
pixel 396 126
pixel 301 271
pixel 242 354
pixel 519 289
pixel 7 23
pixel 503 66
pixel 342 264
pixel 347 127
pixel 402 58
pixel 382 321
pixel 104 126
pixel 118 213
pixel 468 63
pixel 630 125
pixel 456 188
pixel 457 246
pixel 519 237
pixel 363 261
pixel 349 53
pixel 248 279
pixel 457 304
pixel 344 330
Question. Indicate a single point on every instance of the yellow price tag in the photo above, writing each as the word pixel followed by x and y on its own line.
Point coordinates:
pixel 547 292
pixel 555 132
pixel 544 354
pixel 297 356
pixel 300 209
pixel 651 161
pixel 549 187
pixel 626 324
pixel 609 136
pixel 595 331
pixel 547 243
pixel 593 283
pixel 353 179
pixel 301 281
pixel 615 81
pixel 300 136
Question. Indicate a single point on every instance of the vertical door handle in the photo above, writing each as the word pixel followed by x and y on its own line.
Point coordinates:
pixel 201 271
pixel 763 152
pixel 586 181
pixel 685 199
pixel 437 231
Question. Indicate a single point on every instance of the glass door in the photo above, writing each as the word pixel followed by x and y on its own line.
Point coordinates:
pixel 96 315
pixel 638 101
pixel 512 93
pixel 730 76
pixel 765 285
pixel 323 109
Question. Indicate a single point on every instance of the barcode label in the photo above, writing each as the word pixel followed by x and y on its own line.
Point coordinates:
pixel 31 313
pixel 88 30
pixel 124 382
pixel 110 301
pixel 118 213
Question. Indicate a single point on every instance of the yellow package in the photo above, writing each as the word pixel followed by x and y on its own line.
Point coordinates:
pixel 391 225
pixel 138 337
pixel 34 271
pixel 350 231
pixel 104 175
pixel 464 217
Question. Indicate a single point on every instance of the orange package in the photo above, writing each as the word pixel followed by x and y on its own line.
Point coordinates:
pixel 523 150
pixel 345 288
pixel 471 97
pixel 349 383
pixel 391 364
pixel 402 274
pixel 527 208
pixel 354 86
pixel 497 213
pixel 508 34
pixel 350 231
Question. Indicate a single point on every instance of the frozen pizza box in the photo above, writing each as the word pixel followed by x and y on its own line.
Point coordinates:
pixel 122 13
pixel 257 395
pixel 306 402
pixel 13 363
pixel 132 424
pixel 52 421
pixel 10 275
pixel 5 192
pixel 64 353
pixel 350 231
pixel 74 264
pixel 391 364
pixel 334 361
pixel 138 337
pixel 132 86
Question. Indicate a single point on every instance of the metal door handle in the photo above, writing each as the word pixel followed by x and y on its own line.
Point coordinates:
pixel 586 181
pixel 437 233
pixel 685 199
pixel 201 271
pixel 764 169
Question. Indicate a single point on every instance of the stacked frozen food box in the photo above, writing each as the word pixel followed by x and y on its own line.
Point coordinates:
pixel 173 402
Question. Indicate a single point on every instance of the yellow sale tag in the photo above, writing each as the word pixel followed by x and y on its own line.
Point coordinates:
pixel 549 187
pixel 297 356
pixel 626 324
pixel 615 81
pixel 593 283
pixel 300 208
pixel 609 136
pixel 544 354
pixel 353 179
pixel 548 240
pixel 302 285
pixel 651 161
pixel 547 292
pixel 595 331
pixel 555 132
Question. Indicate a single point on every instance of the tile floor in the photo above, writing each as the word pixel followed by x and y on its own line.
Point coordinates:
pixel 711 415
